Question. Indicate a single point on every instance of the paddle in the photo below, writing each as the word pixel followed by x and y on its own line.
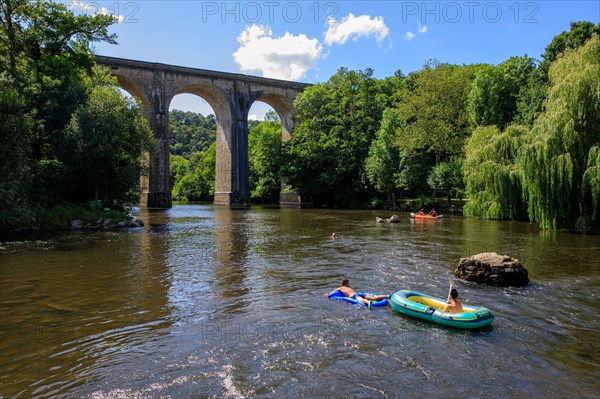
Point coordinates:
pixel 450 290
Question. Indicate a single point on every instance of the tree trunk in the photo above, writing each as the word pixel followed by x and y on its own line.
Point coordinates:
pixel 7 11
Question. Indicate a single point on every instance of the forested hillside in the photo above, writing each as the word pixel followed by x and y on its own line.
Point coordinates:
pixel 193 156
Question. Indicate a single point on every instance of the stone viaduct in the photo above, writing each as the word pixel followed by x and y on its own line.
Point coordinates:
pixel 230 95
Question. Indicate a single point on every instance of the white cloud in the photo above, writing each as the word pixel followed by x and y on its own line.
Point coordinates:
pixel 422 29
pixel 287 57
pixel 354 27
pixel 253 32
pixel 94 9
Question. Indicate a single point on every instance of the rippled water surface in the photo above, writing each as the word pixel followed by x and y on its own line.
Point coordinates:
pixel 212 302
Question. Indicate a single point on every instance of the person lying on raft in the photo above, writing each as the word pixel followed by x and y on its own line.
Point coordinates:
pixel 454 305
pixel 350 293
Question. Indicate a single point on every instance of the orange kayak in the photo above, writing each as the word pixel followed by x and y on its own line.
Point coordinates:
pixel 425 216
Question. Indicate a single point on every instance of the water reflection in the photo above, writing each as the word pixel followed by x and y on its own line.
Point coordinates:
pixel 155 220
pixel 231 232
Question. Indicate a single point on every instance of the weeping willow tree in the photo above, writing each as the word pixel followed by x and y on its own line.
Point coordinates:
pixel 591 183
pixel 561 162
pixel 492 177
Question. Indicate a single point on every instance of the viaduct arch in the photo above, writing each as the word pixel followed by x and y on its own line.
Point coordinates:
pixel 230 95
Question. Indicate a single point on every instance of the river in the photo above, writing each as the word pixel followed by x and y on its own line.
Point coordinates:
pixel 218 303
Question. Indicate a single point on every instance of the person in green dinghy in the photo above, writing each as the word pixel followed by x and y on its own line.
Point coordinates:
pixel 453 305
pixel 350 293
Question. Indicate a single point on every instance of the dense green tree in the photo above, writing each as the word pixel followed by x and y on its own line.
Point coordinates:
pixel 46 57
pixel 193 152
pixel 575 37
pixel 311 155
pixel 179 167
pixel 204 164
pixel 492 176
pixel 15 126
pixel 32 31
pixel 433 121
pixel 531 99
pixel 391 90
pixel 46 52
pixel 496 92
pixel 384 158
pixel 533 94
pixel 106 138
pixel 515 72
pixel 194 179
pixel 484 105
pixel 447 177
pixel 590 192
pixel 433 113
pixel 324 159
pixel 187 188
pixel 415 165
pixel 563 141
pixel 264 156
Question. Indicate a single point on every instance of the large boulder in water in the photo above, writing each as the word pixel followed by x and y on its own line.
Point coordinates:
pixel 491 268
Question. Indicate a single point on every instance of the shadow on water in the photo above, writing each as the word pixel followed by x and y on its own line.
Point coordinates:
pixel 155 220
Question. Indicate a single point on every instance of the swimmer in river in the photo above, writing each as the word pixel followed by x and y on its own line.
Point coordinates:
pixel 350 293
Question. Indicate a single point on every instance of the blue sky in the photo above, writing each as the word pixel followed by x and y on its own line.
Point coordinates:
pixel 309 41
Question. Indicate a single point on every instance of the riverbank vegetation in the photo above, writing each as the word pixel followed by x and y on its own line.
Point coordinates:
pixel 519 140
pixel 68 135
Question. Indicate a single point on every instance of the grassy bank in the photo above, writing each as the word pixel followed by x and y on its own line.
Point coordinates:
pixel 58 216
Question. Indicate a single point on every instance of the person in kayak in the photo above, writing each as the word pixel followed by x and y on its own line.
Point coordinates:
pixel 350 293
pixel 453 305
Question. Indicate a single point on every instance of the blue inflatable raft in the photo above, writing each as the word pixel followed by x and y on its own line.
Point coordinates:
pixel 341 297
pixel 426 307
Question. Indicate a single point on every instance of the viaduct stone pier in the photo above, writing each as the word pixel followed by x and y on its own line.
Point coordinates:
pixel 230 95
